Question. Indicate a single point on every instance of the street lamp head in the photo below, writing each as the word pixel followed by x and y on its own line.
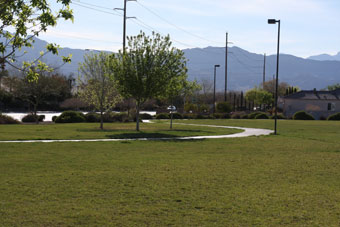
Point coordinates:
pixel 272 21
pixel 217 65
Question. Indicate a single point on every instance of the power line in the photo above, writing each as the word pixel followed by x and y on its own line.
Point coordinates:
pixel 98 10
pixel 95 40
pixel 138 22
pixel 172 24
pixel 243 64
pixel 89 4
pixel 148 27
pixel 250 58
pixel 251 66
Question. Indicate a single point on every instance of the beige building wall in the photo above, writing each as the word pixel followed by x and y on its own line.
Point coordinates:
pixel 317 108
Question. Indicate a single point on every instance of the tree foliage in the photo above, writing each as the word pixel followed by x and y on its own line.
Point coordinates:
pixel 45 90
pixel 333 87
pixel 98 87
pixel 259 96
pixel 223 107
pixel 269 86
pixel 27 19
pixel 148 67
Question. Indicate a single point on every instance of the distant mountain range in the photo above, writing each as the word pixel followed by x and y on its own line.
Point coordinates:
pixel 326 57
pixel 245 69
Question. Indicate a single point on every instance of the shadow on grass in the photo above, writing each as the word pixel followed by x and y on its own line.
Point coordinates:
pixel 137 135
pixel 134 130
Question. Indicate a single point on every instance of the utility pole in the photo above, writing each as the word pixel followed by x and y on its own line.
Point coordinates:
pixel 124 20
pixel 226 68
pixel 124 26
pixel 214 106
pixel 264 71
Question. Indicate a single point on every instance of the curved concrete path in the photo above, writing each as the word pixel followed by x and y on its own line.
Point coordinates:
pixel 246 133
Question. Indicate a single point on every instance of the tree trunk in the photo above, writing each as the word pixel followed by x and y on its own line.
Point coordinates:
pixel 35 114
pixel 137 116
pixel 171 120
pixel 101 120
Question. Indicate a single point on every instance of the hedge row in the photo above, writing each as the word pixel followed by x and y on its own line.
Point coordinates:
pixel 193 116
pixel 78 117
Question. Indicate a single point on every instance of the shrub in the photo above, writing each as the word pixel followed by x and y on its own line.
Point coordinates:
pixel 120 117
pixel 254 114
pixel 221 116
pixel 302 115
pixel 261 116
pixel 145 116
pixel 110 117
pixel 33 118
pixel 4 119
pixel 236 116
pixel 203 108
pixel 334 117
pixel 162 116
pixel 279 116
pixel 322 118
pixel 177 116
pixel 71 117
pixel 200 116
pixel 54 118
pixel 244 116
pixel 223 107
pixel 190 107
pixel 190 116
pixel 92 117
pixel 41 118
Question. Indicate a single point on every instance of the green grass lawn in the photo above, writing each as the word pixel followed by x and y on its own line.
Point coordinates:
pixel 292 179
pixel 111 131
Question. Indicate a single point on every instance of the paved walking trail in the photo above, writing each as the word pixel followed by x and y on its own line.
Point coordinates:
pixel 246 133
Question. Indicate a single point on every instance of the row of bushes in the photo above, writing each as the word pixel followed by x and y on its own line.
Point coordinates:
pixel 193 116
pixel 77 117
pixel 4 119
pixel 255 115
pixel 302 115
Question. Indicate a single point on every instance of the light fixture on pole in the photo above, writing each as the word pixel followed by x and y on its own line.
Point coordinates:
pixel 216 66
pixel 274 21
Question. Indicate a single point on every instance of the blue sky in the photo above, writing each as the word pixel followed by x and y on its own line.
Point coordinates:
pixel 309 27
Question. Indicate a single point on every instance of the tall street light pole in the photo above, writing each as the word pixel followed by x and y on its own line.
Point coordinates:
pixel 215 86
pixel 274 21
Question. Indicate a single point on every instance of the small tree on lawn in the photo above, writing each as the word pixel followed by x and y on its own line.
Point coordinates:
pixel 98 87
pixel 146 67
